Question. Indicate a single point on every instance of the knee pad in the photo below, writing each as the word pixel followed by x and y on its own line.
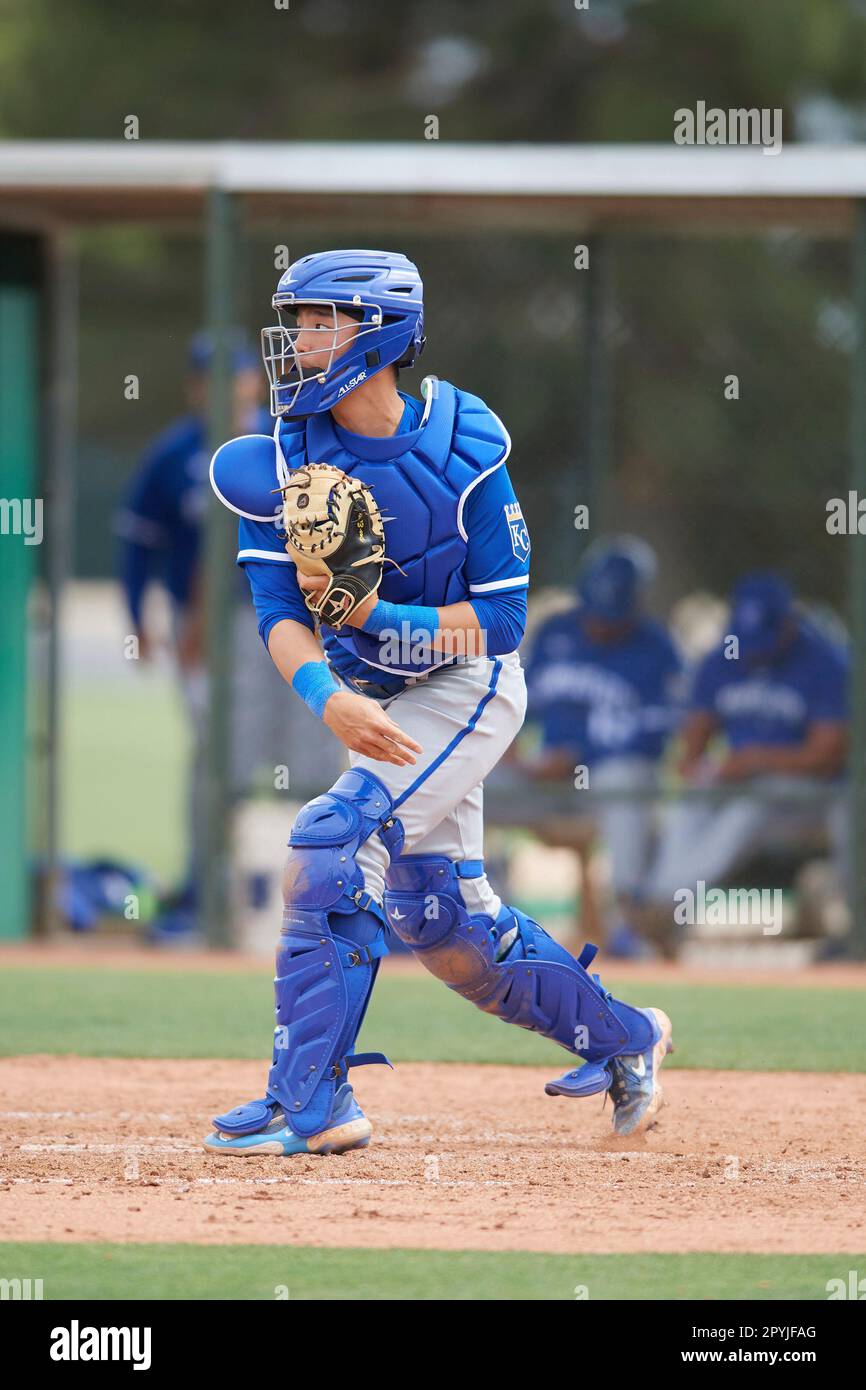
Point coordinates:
pixel 511 967
pixel 331 942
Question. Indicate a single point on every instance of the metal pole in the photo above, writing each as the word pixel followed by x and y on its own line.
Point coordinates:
pixel 597 395
pixel 60 478
pixel 857 579
pixel 214 849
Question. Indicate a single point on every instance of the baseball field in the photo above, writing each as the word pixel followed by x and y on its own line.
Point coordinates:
pixel 476 1185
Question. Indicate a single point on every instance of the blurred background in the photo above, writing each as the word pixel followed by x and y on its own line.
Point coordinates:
pixel 611 381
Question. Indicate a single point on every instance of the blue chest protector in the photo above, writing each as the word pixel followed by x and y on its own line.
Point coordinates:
pixel 419 479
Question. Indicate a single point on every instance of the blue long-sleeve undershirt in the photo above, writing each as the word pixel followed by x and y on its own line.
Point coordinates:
pixel 501 615
pixel 274 599
pixel 502 618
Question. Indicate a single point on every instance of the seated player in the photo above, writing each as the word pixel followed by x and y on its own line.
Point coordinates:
pixel 603 683
pixel 776 694
pixel 421 681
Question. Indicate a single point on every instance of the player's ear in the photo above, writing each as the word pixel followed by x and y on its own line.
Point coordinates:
pixel 243 474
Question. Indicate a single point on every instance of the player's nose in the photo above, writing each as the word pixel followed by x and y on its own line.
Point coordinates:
pixel 308 342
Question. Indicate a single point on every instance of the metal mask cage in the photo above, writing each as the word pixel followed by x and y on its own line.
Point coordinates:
pixel 283 362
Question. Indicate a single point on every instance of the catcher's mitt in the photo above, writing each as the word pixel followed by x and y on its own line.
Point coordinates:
pixel 334 528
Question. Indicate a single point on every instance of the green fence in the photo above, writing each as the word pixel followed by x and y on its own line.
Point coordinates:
pixel 18 514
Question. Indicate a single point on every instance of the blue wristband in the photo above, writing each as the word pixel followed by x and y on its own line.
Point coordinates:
pixel 392 616
pixel 315 685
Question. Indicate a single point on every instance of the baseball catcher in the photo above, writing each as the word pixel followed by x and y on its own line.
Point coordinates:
pixel 414 668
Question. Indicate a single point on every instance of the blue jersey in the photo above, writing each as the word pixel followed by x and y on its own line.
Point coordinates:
pixel 160 521
pixel 776 702
pixel 599 700
pixel 457 532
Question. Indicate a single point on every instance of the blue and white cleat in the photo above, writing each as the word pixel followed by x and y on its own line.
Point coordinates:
pixel 635 1089
pixel 349 1129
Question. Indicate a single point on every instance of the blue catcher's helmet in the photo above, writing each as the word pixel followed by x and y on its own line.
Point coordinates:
pixel 380 290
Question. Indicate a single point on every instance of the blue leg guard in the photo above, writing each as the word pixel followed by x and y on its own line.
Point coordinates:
pixel 332 939
pixel 511 967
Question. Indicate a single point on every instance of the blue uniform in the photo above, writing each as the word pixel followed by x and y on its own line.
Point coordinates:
pixel 458 534
pixel 398 843
pixel 768 701
pixel 403 843
pixel 601 700
pixel 160 521
pixel 775 703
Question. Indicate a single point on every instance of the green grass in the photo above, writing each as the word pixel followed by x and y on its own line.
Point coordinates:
pixel 124 759
pixel 257 1271
pixel 189 1013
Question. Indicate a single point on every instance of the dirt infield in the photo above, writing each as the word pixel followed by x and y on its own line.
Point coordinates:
pixel 463 1157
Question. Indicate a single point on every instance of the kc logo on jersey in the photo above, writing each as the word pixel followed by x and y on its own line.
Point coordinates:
pixel 518 532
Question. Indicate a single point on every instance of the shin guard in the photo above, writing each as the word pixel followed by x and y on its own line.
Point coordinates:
pixel 511 967
pixel 331 942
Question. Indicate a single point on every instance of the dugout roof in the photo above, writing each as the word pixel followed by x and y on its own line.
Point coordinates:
pixel 45 183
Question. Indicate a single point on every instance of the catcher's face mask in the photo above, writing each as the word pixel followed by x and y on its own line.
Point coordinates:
pixel 313 343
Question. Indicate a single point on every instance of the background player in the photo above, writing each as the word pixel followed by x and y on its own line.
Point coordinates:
pixel 398 840
pixel 160 529
pixel 603 686
pixel 779 699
